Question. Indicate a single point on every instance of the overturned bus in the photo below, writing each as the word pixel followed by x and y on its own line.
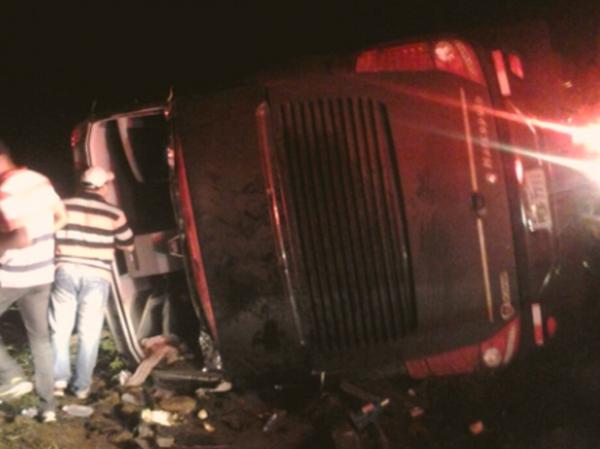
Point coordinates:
pixel 366 218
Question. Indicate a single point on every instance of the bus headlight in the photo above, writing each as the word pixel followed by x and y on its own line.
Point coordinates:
pixel 492 357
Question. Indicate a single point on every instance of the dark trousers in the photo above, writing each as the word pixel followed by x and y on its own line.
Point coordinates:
pixel 32 303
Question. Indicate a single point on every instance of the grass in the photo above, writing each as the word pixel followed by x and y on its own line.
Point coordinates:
pixel 19 432
pixel 109 358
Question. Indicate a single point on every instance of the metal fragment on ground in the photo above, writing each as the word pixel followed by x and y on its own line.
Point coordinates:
pixel 273 419
pixel 160 417
pixel 80 411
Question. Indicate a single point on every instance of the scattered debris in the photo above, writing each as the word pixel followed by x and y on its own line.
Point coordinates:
pixel 476 427
pixel 123 377
pixel 164 441
pixel 160 417
pixel 202 414
pixel 208 427
pixel 80 411
pixel 201 393
pixel 416 411
pixel 132 398
pixel 156 348
pixel 29 412
pixel 182 405
pixel 273 419
pixel 111 398
pixel 368 413
pixel 162 393
pixel 222 387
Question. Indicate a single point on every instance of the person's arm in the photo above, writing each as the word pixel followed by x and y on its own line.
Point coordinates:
pixel 60 216
pixel 19 237
pixel 15 239
pixel 123 234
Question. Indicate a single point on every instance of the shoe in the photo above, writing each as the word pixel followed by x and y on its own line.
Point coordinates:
pixel 83 394
pixel 48 416
pixel 59 388
pixel 16 388
pixel 59 392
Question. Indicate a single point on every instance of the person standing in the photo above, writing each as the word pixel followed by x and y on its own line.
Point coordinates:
pixel 85 250
pixel 30 213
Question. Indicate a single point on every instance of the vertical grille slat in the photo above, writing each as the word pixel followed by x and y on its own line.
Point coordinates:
pixel 341 184
pixel 391 225
pixel 353 160
pixel 345 223
pixel 364 147
pixel 329 240
pixel 382 232
pixel 297 197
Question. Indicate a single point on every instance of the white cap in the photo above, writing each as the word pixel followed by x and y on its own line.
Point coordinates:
pixel 96 177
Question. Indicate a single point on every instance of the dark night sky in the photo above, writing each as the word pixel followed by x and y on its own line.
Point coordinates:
pixel 57 60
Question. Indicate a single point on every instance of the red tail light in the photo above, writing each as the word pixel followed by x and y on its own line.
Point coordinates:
pixel 452 56
pixel 497 350
pixel 458 58
pixel 551 326
pixel 502 347
pixel 404 58
pixel 516 66
pixel 75 136
pixel 498 59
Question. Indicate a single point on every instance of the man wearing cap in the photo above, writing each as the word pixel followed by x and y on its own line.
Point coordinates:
pixel 85 250
pixel 30 213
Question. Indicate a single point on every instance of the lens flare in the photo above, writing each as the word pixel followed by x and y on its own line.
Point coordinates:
pixel 587 136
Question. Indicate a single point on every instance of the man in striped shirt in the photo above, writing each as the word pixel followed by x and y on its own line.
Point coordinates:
pixel 85 250
pixel 30 212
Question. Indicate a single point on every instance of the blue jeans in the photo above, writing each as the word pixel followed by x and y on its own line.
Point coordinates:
pixel 78 299
pixel 32 303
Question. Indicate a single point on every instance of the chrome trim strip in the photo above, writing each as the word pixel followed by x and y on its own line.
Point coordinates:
pixel 266 145
pixel 475 187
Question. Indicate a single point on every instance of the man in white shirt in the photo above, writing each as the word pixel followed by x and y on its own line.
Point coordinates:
pixel 30 212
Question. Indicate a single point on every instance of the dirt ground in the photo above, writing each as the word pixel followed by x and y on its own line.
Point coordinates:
pixel 550 400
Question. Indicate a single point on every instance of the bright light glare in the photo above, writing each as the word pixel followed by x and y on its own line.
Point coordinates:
pixel 519 170
pixel 591 169
pixel 587 136
pixel 444 51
